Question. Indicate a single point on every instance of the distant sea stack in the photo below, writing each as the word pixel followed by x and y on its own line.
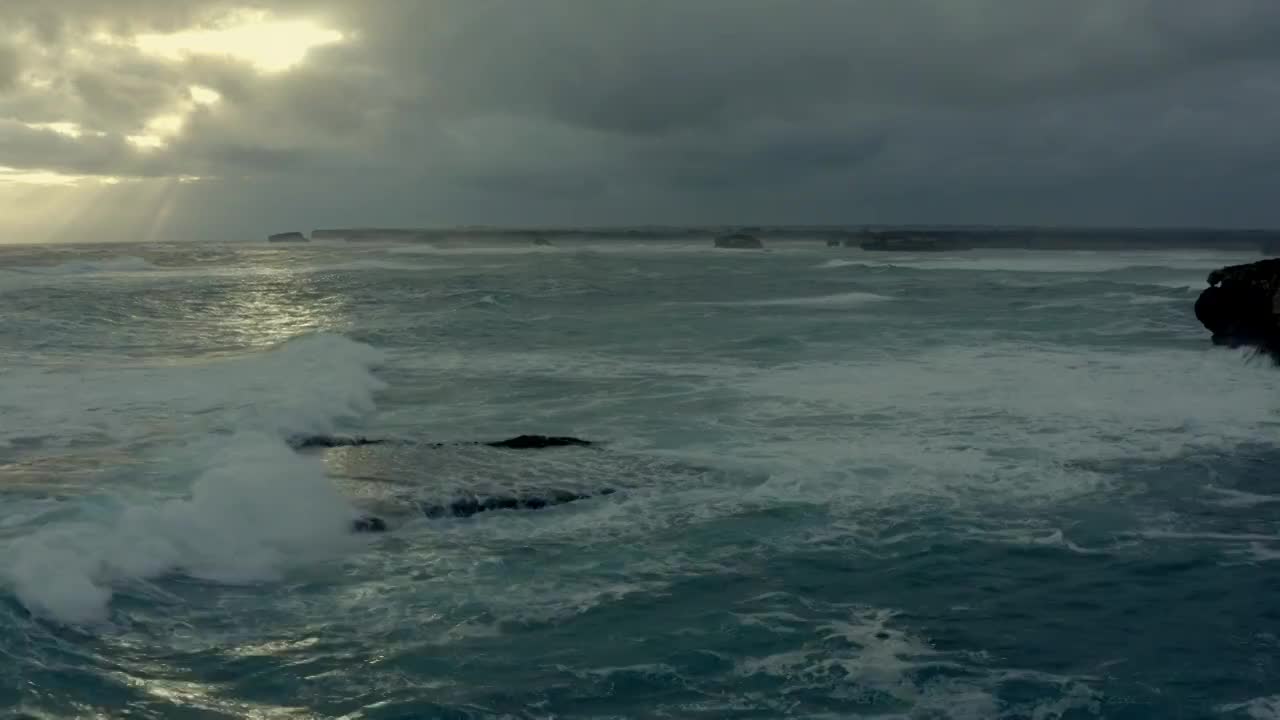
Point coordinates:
pixel 287 237
pixel 1241 306
pixel 739 241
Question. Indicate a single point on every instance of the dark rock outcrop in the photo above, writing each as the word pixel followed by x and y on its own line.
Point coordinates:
pixel 530 442
pixel 833 242
pixel 287 237
pixel 739 241
pixel 303 442
pixel 466 507
pixel 541 241
pixel 520 442
pixel 1241 306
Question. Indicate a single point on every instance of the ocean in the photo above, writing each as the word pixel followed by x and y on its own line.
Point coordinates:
pixel 989 484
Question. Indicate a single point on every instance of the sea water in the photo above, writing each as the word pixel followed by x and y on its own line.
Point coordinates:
pixel 847 484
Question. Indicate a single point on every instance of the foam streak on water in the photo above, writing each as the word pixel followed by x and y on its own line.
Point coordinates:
pixel 971 485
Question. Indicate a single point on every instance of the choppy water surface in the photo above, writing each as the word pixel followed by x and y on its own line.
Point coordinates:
pixel 989 484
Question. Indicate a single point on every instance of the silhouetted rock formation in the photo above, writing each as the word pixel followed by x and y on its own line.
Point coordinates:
pixel 739 241
pixel 833 242
pixel 541 241
pixel 527 442
pixel 520 442
pixel 287 237
pixel 1241 306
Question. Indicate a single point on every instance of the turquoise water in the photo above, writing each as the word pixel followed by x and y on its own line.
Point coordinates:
pixel 990 484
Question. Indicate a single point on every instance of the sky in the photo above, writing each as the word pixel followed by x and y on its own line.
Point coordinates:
pixel 225 120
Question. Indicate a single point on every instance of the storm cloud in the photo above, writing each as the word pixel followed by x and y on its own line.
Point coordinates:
pixel 569 112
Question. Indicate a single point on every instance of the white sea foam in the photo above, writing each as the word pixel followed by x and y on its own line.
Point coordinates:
pixel 865 651
pixel 18 278
pixel 1001 419
pixel 1253 548
pixel 1210 536
pixel 1240 499
pixel 363 264
pixel 1060 261
pixel 122 264
pixel 257 509
pixel 415 249
pixel 837 263
pixel 1046 537
pixel 844 299
pixel 304 385
pixel 1263 708
pixel 1137 299
pixel 834 300
pixel 954 422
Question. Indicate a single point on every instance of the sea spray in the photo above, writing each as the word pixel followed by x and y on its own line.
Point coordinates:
pixel 304 385
pixel 255 507
pixel 257 510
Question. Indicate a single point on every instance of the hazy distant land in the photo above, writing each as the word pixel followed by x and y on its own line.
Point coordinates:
pixel 905 238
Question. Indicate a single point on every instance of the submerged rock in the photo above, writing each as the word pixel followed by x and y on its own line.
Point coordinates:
pixel 368 524
pixel 469 505
pixel 739 241
pixel 1241 306
pixel 466 507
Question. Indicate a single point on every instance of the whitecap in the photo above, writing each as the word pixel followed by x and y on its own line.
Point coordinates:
pixel 258 509
pixel 122 264
pixel 1261 708
pixel 304 385
pixel 835 300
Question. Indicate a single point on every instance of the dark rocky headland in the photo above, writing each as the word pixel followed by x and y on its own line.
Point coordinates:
pixel 1241 306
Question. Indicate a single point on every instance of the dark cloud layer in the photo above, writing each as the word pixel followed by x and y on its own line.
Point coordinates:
pixel 614 111
pixel 8 67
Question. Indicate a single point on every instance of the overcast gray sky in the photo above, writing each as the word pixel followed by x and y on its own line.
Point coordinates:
pixel 204 119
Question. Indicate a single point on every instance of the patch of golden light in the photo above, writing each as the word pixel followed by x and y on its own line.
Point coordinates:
pixel 69 129
pixel 17 176
pixel 253 36
pixel 202 95
pixel 84 208
pixel 160 129
pixel 157 133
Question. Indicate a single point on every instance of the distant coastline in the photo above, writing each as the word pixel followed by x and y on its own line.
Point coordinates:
pixel 905 238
